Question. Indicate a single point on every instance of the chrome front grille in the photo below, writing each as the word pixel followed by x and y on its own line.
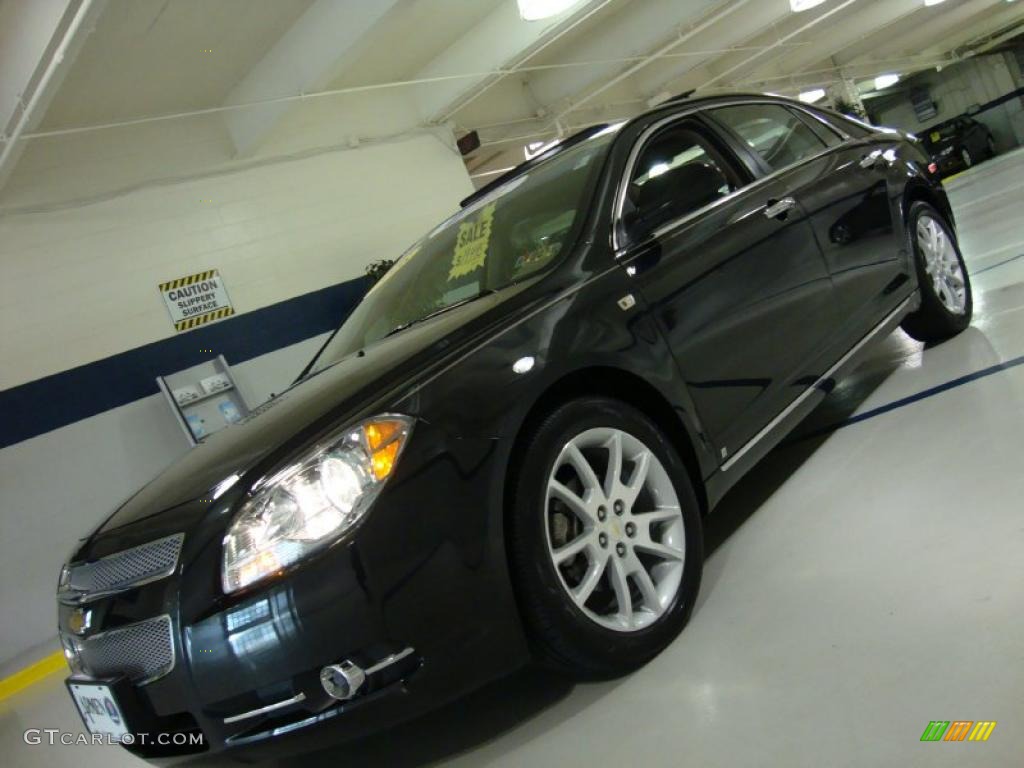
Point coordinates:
pixel 141 652
pixel 128 568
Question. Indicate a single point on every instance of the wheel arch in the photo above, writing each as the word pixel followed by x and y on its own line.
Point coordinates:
pixel 918 190
pixel 622 385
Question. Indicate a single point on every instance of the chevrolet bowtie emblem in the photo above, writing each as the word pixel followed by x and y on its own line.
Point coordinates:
pixel 79 621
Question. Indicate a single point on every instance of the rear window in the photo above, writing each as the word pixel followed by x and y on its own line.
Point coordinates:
pixel 772 131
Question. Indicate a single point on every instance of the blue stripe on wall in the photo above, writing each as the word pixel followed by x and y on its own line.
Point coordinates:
pixel 64 398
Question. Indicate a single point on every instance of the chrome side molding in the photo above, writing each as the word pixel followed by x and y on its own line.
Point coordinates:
pixel 771 425
pixel 264 710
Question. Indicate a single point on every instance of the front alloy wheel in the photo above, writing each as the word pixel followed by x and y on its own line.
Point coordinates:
pixel 942 263
pixel 618 541
pixel 605 538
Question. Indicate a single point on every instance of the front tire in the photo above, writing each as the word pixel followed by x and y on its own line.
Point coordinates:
pixel 946 300
pixel 605 539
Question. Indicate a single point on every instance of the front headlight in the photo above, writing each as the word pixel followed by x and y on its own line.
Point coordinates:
pixel 310 503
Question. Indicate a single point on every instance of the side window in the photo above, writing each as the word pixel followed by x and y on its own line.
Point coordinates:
pixel 823 131
pixel 772 131
pixel 676 173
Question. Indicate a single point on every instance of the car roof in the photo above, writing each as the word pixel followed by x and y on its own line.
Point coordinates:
pixel 673 104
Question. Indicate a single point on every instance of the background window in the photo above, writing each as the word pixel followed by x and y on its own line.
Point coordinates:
pixel 676 173
pixel 776 134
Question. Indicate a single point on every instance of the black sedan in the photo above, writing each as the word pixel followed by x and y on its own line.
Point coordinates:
pixel 506 452
pixel 957 144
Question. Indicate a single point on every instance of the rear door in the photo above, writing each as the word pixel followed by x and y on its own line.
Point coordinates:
pixel 847 186
pixel 729 268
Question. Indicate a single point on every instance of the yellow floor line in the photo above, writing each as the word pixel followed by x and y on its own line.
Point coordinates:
pixel 32 674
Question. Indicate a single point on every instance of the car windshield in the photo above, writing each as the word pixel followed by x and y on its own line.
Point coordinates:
pixel 508 235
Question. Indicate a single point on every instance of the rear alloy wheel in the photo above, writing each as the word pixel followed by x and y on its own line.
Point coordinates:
pixel 605 539
pixel 946 301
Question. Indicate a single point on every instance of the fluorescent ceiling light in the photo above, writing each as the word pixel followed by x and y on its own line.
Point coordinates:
pixel 933 2
pixel 811 96
pixel 803 5
pixel 657 170
pixel 535 10
pixel 884 81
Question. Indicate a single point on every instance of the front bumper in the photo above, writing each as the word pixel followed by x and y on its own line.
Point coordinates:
pixel 426 571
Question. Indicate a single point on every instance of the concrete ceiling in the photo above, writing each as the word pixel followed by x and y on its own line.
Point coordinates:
pixel 150 57
pixel 475 65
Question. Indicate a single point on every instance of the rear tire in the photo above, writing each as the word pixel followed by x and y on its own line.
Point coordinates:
pixel 594 615
pixel 990 145
pixel 946 301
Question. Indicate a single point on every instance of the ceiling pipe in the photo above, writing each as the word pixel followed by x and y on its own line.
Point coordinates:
pixel 354 89
pixel 37 95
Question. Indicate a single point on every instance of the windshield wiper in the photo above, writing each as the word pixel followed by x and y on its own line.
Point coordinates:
pixel 440 311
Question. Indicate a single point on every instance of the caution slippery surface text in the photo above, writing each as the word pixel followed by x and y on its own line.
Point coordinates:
pixel 196 299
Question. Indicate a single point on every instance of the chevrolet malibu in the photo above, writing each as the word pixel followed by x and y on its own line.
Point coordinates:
pixel 506 452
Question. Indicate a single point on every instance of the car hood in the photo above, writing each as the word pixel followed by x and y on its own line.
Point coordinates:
pixel 243 452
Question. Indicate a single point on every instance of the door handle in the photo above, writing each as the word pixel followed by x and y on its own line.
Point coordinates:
pixel 777 209
pixel 876 157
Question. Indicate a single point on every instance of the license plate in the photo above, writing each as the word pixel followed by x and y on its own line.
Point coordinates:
pixel 98 708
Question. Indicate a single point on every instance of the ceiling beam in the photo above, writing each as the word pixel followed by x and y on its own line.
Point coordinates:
pixel 496 46
pixel 304 59
pixel 925 32
pixel 869 22
pixel 39 40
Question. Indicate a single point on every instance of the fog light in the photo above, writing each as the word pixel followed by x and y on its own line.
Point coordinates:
pixel 342 681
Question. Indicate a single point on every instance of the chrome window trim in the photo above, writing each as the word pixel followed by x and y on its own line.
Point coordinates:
pixel 74 596
pixel 821 119
pixel 619 203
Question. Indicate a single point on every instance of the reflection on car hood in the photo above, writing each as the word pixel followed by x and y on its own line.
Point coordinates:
pixel 284 423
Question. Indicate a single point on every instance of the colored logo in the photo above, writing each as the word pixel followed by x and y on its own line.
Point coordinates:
pixel 958 730
pixel 112 711
pixel 79 621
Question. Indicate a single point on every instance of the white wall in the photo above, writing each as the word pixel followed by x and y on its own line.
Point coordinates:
pixel 90 223
pixel 955 89
pixel 79 273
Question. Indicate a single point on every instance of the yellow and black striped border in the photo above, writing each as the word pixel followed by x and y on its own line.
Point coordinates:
pixel 181 281
pixel 193 322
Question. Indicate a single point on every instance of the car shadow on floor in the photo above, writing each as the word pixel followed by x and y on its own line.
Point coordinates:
pixel 501 708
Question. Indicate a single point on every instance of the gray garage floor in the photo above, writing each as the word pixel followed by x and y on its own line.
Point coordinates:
pixel 863 581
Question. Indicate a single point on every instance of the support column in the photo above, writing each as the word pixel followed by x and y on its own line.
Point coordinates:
pixel 845 97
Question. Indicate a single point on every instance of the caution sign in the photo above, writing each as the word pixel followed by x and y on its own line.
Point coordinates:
pixel 471 244
pixel 197 299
